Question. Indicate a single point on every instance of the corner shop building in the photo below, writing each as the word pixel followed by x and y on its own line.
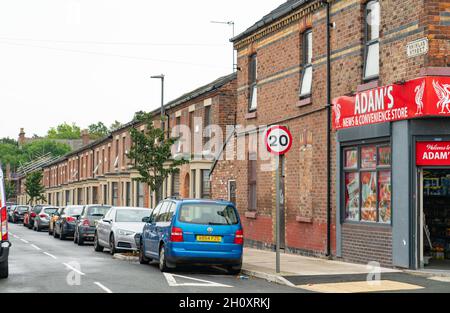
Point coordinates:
pixel 393 174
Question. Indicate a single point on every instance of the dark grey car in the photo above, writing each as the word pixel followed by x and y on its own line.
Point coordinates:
pixel 87 221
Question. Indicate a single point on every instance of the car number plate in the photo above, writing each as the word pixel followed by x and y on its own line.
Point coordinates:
pixel 209 238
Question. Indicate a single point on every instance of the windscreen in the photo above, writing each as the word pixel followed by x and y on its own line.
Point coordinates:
pixel 22 209
pixel 131 215
pixel 50 210
pixel 208 214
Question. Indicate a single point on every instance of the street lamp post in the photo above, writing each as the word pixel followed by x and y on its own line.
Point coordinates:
pixel 163 113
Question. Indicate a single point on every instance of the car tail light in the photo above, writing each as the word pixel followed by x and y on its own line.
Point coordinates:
pixel 70 219
pixel 85 222
pixel 176 235
pixel 239 237
pixel 4 225
pixel 43 215
pixel 33 214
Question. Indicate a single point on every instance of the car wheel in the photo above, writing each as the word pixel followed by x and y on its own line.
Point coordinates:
pixel 61 234
pixel 4 272
pixel 162 260
pixel 30 226
pixel 142 258
pixel 97 246
pixel 80 240
pixel 112 245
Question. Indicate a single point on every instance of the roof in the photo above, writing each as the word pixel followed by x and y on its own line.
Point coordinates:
pixel 279 12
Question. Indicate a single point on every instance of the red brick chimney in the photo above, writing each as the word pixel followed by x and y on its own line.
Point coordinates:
pixel 21 137
pixel 85 137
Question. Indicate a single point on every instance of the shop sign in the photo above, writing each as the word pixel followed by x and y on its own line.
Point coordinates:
pixel 417 47
pixel 427 96
pixel 434 153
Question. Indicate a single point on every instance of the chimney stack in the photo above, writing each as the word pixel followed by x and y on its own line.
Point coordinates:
pixel 21 137
pixel 85 137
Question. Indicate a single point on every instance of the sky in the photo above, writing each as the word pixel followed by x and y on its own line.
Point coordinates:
pixel 84 61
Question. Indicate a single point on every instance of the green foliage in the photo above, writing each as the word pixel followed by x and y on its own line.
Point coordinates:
pixel 97 131
pixel 64 131
pixel 115 126
pixel 151 153
pixel 34 188
pixel 10 190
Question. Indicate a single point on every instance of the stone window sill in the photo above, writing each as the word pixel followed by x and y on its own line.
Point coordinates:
pixel 304 102
pixel 303 219
pixel 367 86
pixel 250 115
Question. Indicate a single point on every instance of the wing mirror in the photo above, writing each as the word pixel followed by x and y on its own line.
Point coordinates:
pixel 147 219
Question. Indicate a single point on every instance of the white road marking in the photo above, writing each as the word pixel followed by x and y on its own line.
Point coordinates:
pixel 24 241
pixel 17 237
pixel 199 282
pixel 36 247
pixel 73 269
pixel 103 287
pixel 50 255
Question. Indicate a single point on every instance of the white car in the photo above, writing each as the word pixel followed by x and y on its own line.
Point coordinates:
pixel 118 228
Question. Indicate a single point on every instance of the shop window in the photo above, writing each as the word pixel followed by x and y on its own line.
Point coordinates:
pixel 306 75
pixel 367 183
pixel 252 81
pixel 372 43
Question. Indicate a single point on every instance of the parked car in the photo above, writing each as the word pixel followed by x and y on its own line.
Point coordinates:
pixel 17 213
pixel 64 226
pixel 53 218
pixel 9 210
pixel 42 219
pixel 202 232
pixel 87 221
pixel 30 215
pixel 117 230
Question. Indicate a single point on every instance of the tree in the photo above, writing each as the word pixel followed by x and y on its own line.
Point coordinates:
pixel 115 126
pixel 41 147
pixel 151 153
pixel 10 190
pixel 64 131
pixel 98 130
pixel 34 188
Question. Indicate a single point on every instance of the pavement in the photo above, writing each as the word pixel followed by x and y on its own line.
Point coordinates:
pixel 324 275
pixel 40 263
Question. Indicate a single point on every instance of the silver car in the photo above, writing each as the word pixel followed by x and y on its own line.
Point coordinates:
pixel 118 228
pixel 42 219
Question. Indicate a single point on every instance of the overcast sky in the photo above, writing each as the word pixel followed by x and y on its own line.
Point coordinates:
pixel 85 61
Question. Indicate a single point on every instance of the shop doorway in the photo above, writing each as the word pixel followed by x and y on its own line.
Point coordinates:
pixel 435 219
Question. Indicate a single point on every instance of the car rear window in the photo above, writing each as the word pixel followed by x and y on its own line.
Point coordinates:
pixel 51 210
pixel 37 209
pixel 131 215
pixel 22 209
pixel 97 211
pixel 73 210
pixel 208 214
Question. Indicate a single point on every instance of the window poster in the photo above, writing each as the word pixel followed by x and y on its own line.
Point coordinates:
pixel 368 196
pixel 384 155
pixel 351 158
pixel 369 157
pixel 384 189
pixel 352 196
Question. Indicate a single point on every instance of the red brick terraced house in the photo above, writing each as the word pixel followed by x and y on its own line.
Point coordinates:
pixel 352 186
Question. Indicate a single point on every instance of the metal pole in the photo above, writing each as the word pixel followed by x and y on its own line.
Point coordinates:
pixel 277 227
pixel 163 113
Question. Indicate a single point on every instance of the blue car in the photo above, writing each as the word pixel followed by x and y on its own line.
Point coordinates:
pixel 197 232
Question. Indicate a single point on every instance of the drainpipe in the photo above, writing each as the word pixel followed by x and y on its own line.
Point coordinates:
pixel 328 23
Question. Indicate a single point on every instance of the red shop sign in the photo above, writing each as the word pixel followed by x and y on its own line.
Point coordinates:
pixel 427 96
pixel 434 153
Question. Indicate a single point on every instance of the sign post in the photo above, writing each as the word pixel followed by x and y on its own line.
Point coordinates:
pixel 278 142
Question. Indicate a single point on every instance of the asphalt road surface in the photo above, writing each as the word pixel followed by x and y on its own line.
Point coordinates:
pixel 40 263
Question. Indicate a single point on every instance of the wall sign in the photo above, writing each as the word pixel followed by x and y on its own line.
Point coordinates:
pixel 417 47
pixel 433 153
pixel 427 96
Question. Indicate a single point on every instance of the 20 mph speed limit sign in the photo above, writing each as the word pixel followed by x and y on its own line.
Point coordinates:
pixel 278 140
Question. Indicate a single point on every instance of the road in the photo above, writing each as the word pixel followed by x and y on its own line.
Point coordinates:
pixel 40 263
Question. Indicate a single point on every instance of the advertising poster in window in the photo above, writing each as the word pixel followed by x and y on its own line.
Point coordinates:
pixel 369 157
pixel 369 197
pixel 351 159
pixel 352 196
pixel 384 154
pixel 384 187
